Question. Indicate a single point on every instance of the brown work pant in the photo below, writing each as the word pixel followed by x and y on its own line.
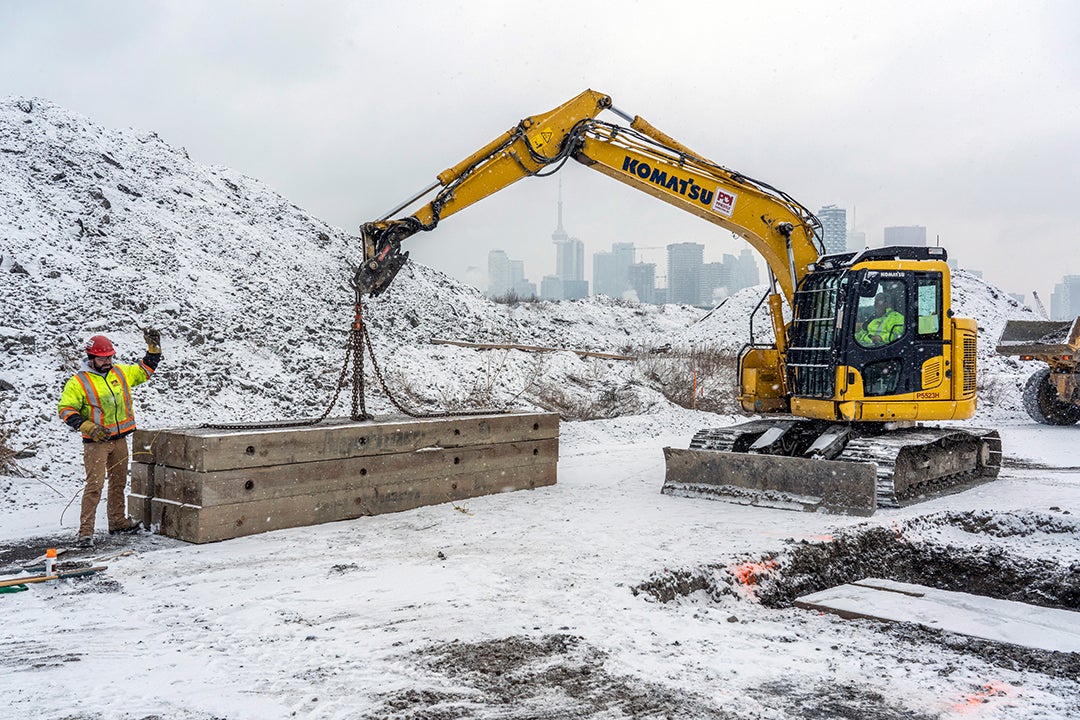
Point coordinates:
pixel 103 460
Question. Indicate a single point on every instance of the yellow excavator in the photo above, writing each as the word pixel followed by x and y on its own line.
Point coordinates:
pixel 867 348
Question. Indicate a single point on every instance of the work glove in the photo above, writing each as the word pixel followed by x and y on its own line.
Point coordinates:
pixel 153 340
pixel 94 431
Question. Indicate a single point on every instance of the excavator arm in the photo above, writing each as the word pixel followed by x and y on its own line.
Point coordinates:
pixel 537 145
pixel 782 231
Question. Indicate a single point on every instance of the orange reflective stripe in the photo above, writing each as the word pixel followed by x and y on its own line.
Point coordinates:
pixel 128 421
pixel 126 390
pixel 126 426
pixel 146 368
pixel 97 413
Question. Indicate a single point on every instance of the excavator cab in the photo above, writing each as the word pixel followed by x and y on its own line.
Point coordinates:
pixel 873 340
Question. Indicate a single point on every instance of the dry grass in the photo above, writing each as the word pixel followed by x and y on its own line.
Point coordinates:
pixel 513 299
pixel 702 377
pixel 8 454
pixel 594 395
pixel 608 402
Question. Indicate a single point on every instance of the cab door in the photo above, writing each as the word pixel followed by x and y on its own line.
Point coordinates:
pixel 931 368
pixel 895 326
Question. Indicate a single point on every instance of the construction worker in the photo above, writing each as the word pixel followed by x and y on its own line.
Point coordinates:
pixel 886 325
pixel 97 402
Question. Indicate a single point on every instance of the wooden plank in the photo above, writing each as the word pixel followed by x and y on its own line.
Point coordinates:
pixel 207 450
pixel 1002 621
pixel 200 525
pixel 224 487
pixel 530 348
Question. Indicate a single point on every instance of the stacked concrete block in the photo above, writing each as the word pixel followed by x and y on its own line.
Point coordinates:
pixel 203 485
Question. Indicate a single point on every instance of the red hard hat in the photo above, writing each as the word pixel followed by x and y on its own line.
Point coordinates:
pixel 99 346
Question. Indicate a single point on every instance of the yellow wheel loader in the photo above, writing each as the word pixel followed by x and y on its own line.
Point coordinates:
pixel 870 349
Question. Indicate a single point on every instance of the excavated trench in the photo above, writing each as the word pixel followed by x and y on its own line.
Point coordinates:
pixel 902 553
pixel 974 552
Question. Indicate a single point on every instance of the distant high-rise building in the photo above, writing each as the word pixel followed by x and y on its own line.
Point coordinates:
pixel 729 277
pixel 908 235
pixel 605 279
pixel 1065 300
pixel 500 280
pixel 507 276
pixel 714 283
pixel 575 289
pixel 624 258
pixel 643 281
pixel 551 288
pixel 570 260
pixel 684 272
pixel 834 228
pixel 569 251
pixel 747 274
pixel 611 270
pixel 856 241
pixel 518 282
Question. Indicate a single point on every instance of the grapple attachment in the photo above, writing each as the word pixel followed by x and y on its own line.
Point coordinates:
pixel 382 253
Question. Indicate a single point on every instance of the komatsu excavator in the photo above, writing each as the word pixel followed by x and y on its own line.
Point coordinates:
pixel 869 346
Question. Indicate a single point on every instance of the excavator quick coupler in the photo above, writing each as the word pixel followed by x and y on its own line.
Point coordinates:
pixel 374 276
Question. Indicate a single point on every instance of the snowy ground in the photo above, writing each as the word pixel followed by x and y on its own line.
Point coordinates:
pixel 597 597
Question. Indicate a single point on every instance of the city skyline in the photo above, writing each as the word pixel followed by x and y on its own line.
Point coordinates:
pixel 609 268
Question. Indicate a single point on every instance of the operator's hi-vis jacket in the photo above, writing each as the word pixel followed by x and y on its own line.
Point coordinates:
pixel 105 399
pixel 888 327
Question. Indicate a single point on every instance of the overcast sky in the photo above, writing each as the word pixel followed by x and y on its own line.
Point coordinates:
pixel 963 117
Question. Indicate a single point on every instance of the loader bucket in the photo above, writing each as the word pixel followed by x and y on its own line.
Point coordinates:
pixel 792 483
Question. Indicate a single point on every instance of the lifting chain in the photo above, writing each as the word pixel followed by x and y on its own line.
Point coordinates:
pixel 359 339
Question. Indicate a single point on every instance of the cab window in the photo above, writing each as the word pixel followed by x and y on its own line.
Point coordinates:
pixel 880 318
pixel 929 298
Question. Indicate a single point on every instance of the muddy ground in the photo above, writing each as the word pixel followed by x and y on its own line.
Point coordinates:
pixel 560 676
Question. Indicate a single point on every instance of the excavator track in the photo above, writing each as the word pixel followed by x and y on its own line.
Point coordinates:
pixel 811 465
pixel 919 463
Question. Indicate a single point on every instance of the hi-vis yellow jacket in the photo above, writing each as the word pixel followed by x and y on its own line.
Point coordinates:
pixel 104 400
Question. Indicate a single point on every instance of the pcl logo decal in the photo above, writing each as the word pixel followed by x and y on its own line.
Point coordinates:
pixel 725 202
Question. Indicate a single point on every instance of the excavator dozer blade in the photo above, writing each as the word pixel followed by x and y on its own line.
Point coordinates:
pixel 793 483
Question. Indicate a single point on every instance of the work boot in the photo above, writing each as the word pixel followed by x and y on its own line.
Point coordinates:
pixel 85 541
pixel 130 526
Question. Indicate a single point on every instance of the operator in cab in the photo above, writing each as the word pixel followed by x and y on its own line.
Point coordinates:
pixel 886 326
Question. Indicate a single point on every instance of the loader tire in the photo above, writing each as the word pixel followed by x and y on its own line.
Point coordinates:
pixel 1043 404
